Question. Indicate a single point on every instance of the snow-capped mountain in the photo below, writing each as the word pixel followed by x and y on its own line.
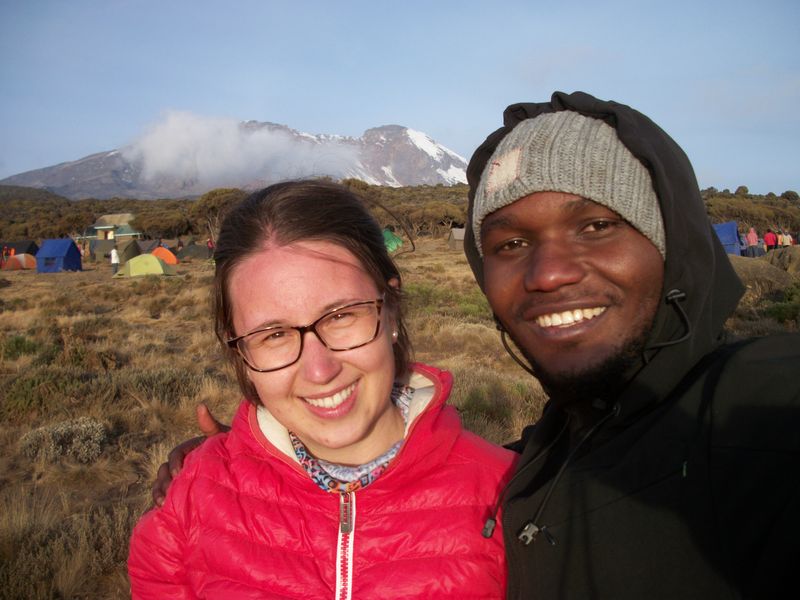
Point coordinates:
pixel 186 158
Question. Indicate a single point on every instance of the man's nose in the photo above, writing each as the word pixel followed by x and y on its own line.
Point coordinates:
pixel 551 265
pixel 318 363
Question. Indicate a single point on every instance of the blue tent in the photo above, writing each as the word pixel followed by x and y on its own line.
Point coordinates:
pixel 728 234
pixel 58 255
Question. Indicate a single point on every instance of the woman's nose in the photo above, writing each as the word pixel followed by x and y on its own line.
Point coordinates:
pixel 318 363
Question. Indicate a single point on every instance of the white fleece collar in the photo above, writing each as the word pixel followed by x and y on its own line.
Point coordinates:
pixel 423 392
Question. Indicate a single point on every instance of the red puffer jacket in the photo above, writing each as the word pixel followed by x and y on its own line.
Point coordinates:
pixel 244 520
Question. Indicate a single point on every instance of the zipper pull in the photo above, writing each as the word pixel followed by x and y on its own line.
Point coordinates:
pixel 345 513
pixel 488 527
pixel 528 533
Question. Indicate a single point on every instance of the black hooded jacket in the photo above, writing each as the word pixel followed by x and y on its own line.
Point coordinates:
pixel 689 485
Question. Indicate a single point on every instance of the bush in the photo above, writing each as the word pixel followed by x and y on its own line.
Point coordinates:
pixel 81 439
pixel 13 304
pixel 48 552
pixel 167 385
pixel 786 309
pixel 18 345
pixel 436 299
pixel 49 388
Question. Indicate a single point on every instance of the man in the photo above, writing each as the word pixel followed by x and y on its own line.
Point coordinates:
pixel 770 239
pixel 114 260
pixel 666 463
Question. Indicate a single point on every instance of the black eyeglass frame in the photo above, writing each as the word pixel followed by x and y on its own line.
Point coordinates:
pixel 302 330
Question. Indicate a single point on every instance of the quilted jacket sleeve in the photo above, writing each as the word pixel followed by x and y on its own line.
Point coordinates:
pixel 156 564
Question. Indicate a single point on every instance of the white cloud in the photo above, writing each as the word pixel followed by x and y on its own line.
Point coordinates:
pixel 218 151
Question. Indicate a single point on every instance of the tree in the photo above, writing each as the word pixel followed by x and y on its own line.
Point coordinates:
pixel 169 222
pixel 791 196
pixel 742 190
pixel 208 211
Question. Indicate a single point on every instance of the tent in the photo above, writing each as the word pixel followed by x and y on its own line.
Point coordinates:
pixel 101 249
pixel 147 245
pixel 391 240
pixel 728 234
pixel 23 247
pixel 58 255
pixel 145 264
pixel 19 261
pixel 193 251
pixel 166 255
pixel 456 239
pixel 127 251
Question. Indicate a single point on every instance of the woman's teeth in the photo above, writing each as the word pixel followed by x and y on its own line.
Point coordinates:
pixel 332 401
pixel 569 317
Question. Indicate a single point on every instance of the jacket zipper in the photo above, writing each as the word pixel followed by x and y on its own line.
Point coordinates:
pixel 344 547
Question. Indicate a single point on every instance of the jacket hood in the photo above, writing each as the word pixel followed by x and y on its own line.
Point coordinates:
pixel 695 263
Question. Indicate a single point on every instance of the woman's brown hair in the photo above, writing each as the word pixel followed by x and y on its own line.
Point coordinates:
pixel 303 210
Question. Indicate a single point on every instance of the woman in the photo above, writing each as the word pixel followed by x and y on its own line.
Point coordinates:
pixel 344 475
pixel 752 243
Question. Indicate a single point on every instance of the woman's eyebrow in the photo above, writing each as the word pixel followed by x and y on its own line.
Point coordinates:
pixel 331 306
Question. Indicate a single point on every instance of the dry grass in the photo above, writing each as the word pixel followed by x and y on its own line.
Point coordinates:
pixel 99 378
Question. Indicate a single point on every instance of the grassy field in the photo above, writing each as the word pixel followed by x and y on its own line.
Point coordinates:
pixel 99 378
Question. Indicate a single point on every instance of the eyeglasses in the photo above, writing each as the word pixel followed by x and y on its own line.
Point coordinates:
pixel 345 328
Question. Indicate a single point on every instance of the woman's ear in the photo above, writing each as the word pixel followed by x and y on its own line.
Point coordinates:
pixel 395 283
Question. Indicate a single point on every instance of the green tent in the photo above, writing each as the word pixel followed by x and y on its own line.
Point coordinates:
pixel 391 240
pixel 145 264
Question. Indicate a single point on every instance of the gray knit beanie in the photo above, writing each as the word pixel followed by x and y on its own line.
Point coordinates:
pixel 567 152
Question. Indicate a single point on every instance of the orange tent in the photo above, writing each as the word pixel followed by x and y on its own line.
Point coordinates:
pixel 19 261
pixel 165 255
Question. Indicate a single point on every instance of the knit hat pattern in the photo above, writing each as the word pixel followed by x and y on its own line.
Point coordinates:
pixel 567 152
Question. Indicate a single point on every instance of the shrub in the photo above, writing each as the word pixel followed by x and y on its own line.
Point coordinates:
pixel 18 345
pixel 49 552
pixel 13 304
pixel 495 406
pixel 81 439
pixel 50 387
pixel 438 299
pixel 65 305
pixel 787 309
pixel 166 385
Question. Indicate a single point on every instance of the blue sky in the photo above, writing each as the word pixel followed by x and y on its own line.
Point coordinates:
pixel 722 77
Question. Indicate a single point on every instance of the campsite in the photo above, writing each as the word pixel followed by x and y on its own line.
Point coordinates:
pixel 101 375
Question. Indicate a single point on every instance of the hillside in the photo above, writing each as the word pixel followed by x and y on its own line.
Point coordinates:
pixel 425 209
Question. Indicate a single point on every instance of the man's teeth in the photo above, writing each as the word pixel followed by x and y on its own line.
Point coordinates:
pixel 331 401
pixel 569 317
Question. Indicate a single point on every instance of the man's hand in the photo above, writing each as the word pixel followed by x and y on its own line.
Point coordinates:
pixel 208 426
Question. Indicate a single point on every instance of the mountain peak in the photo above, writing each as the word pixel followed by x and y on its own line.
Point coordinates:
pixel 186 156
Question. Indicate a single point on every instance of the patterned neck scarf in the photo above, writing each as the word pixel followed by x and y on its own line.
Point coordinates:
pixel 341 478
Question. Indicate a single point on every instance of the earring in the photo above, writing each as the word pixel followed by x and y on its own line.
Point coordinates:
pixel 394 336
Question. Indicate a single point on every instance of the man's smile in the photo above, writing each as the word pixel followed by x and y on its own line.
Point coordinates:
pixel 569 318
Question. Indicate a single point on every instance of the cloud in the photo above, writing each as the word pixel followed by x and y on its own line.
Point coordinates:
pixel 213 151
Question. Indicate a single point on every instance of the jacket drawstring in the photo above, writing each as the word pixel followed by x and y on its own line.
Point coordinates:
pixel 529 531
pixel 491 522
pixel 673 298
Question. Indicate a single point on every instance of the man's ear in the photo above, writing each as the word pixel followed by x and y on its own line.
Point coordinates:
pixel 394 282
